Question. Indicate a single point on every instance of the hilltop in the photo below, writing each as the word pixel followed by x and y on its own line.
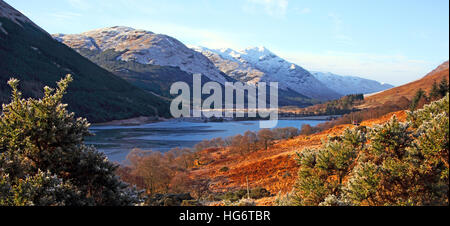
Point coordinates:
pixel 397 98
pixel 408 90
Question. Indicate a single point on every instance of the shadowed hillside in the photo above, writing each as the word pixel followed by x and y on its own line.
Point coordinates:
pixel 30 54
pixel 408 90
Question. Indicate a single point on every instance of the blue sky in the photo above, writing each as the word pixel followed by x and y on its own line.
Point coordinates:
pixel 389 41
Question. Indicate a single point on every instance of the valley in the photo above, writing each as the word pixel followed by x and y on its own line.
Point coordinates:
pixel 117 141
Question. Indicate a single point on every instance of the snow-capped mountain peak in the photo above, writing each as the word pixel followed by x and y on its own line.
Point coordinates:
pixel 144 47
pixel 259 51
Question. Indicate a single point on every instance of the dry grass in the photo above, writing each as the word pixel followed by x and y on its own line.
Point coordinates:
pixel 408 90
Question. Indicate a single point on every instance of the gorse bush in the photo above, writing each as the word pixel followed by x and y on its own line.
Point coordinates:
pixel 43 159
pixel 391 164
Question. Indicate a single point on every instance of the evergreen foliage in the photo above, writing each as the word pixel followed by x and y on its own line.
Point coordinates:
pixel 420 95
pixel 391 164
pixel 43 159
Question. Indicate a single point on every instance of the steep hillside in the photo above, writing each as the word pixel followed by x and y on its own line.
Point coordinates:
pixel 347 85
pixel 258 64
pixel 153 78
pixel 31 55
pixel 408 90
pixel 144 47
pixel 159 65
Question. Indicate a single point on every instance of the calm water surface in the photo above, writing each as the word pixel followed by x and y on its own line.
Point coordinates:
pixel 117 141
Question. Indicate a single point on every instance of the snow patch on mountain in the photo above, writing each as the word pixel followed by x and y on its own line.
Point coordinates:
pixel 346 85
pixel 144 47
pixel 225 60
pixel 258 64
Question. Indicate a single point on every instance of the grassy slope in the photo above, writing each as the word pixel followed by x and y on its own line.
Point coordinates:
pixel 274 169
pixel 399 96
pixel 32 56
pixel 408 90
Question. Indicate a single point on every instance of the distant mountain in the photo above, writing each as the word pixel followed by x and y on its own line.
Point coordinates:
pixel 144 47
pixel 346 85
pixel 408 90
pixel 152 78
pixel 30 54
pixel 164 60
pixel 258 64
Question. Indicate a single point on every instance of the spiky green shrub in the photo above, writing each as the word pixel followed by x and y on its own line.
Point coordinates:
pixel 322 170
pixel 285 199
pixel 392 164
pixel 43 159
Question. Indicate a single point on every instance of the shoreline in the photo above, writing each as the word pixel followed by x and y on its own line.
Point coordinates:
pixel 317 117
pixel 147 120
pixel 131 121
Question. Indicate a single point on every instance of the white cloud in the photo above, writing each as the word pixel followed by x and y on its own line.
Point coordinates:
pixel 275 8
pixel 338 32
pixel 302 11
pixel 393 69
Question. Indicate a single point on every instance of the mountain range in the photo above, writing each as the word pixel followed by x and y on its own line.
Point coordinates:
pixel 144 47
pixel 121 72
pixel 122 49
pixel 258 64
pixel 346 85
pixel 139 57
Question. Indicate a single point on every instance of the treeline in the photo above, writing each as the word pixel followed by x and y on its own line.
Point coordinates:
pixel 395 163
pixel 341 106
pixel 167 173
pixel 437 92
pixel 357 117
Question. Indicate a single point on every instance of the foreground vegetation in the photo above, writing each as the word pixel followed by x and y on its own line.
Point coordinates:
pixel 169 173
pixel 391 164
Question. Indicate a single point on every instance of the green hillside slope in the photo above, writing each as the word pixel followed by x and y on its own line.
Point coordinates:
pixel 34 57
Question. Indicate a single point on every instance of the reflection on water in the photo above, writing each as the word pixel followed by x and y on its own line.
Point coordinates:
pixel 117 141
